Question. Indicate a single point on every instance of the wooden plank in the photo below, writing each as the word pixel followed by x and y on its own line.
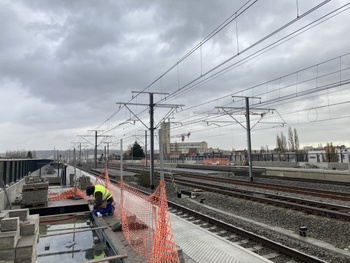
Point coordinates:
pixel 59 253
pixel 65 215
pixel 105 259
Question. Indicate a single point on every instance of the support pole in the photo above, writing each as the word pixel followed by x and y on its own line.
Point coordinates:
pixel 75 174
pixel 121 160
pixel 161 166
pixel 107 153
pixel 95 150
pixel 151 112
pixel 80 153
pixel 249 140
pixel 146 146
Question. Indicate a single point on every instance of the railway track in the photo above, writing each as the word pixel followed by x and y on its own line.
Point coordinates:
pixel 308 206
pixel 290 189
pixel 247 239
pixel 275 251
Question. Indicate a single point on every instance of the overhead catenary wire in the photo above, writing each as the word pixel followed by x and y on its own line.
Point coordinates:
pixel 182 89
pixel 312 23
pixel 280 99
pixel 234 16
pixel 248 48
pixel 201 80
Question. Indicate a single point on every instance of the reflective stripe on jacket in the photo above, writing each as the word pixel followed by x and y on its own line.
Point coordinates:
pixel 105 193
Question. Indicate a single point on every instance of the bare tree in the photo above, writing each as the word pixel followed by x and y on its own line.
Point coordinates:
pixel 284 142
pixel 331 154
pixel 291 141
pixel 296 140
pixel 278 143
pixel 281 143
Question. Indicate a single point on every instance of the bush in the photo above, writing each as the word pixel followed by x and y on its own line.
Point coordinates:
pixel 143 179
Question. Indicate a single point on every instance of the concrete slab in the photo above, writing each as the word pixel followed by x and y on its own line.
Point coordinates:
pixel 9 240
pixel 33 259
pixel 30 226
pixel 9 224
pixel 21 213
pixel 26 247
pixel 7 255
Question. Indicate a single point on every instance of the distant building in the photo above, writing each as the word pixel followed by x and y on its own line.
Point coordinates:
pixel 165 127
pixel 316 156
pixel 319 156
pixel 188 147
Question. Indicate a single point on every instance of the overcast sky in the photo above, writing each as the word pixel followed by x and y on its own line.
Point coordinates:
pixel 64 65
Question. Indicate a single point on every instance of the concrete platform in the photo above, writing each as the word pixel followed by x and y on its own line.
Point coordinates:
pixel 197 244
pixel 200 245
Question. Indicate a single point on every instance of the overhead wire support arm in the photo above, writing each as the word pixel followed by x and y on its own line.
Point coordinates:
pixel 229 114
pixel 151 127
pixel 247 128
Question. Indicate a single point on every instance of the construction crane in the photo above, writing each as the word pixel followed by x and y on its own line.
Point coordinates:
pixel 182 136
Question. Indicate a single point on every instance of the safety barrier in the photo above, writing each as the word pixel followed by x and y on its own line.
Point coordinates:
pixel 145 219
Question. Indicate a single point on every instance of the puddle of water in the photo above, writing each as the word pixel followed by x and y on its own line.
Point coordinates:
pixel 70 248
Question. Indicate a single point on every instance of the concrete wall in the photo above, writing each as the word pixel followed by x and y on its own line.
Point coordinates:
pixel 318 174
pixel 325 165
pixel 13 191
pixel 273 164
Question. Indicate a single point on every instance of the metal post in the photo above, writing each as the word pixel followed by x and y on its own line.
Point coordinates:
pixel 4 174
pixel 121 160
pixel 80 153
pixel 151 112
pixel 95 149
pixel 107 153
pixel 75 175
pixel 132 153
pixel 58 167
pixel 249 140
pixel 146 146
pixel 161 155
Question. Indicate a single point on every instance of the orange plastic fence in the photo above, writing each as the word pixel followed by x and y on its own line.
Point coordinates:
pixel 216 161
pixel 164 246
pixel 145 219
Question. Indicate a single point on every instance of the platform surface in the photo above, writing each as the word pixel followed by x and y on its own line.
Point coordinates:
pixel 198 245
pixel 202 246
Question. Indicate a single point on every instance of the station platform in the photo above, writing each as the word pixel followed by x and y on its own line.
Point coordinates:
pixel 199 245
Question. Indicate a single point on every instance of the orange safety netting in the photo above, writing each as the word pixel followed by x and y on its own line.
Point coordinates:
pixel 145 219
pixel 164 246
pixel 216 161
pixel 67 194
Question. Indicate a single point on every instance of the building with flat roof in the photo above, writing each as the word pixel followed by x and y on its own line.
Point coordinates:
pixel 186 147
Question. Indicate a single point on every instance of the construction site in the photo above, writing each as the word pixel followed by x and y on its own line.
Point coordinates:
pixel 46 217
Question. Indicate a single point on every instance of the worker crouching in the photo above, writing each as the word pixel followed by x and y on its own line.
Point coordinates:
pixel 103 199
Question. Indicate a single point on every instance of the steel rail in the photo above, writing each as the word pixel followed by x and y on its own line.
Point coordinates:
pixel 239 231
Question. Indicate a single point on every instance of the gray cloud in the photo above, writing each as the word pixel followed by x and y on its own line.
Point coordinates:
pixel 64 64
